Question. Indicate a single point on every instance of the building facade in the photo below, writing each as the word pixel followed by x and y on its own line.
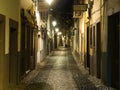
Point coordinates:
pixel 99 39
pixel 9 42
pixel 23 34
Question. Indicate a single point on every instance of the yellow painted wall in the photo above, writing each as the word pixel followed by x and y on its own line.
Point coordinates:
pixel 9 8
pixel 26 4
pixel 113 6
pixel 85 32
pixel 95 14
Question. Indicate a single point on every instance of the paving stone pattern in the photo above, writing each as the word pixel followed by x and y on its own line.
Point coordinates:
pixel 60 71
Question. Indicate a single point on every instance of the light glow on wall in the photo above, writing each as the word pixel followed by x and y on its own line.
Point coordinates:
pixel 48 33
pixel 49 1
pixel 56 30
pixel 38 18
pixel 59 33
pixel 82 26
pixel 54 23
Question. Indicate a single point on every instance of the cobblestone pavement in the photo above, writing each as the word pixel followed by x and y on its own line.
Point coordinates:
pixel 60 71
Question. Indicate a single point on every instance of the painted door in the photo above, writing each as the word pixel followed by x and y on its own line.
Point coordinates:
pixel 113 49
pixel 88 47
pixel 98 50
pixel 2 41
pixel 13 64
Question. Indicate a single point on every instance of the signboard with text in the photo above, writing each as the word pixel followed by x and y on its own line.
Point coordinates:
pixel 81 7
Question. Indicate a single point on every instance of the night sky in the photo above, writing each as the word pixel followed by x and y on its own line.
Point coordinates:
pixel 62 11
pixel 63 5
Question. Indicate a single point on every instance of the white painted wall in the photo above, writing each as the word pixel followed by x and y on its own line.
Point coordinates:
pixel 11 10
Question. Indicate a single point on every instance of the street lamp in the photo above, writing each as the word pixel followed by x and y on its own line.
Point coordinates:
pixel 55 36
pixel 56 30
pixel 49 1
pixel 54 23
pixel 59 33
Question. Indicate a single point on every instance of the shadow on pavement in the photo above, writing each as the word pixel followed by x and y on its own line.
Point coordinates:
pixel 39 86
pixel 82 81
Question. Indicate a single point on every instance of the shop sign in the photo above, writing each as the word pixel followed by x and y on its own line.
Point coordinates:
pixel 81 7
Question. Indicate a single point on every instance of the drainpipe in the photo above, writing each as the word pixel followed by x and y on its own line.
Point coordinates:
pixel 106 76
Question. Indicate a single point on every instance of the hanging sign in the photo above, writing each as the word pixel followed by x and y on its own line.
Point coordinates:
pixel 81 7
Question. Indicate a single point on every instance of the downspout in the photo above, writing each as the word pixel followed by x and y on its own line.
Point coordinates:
pixel 105 64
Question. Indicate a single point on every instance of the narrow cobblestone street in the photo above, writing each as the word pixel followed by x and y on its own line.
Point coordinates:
pixel 59 71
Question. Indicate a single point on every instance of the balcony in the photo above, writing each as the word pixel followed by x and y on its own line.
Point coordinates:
pixel 78 9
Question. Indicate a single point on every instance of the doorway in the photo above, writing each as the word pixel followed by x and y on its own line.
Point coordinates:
pixel 2 48
pixel 98 52
pixel 88 47
pixel 23 60
pixel 13 63
pixel 113 48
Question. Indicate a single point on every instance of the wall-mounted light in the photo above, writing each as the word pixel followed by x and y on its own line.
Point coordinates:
pixel 91 3
pixel 54 23
pixel 49 1
pixel 56 30
pixel 59 33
